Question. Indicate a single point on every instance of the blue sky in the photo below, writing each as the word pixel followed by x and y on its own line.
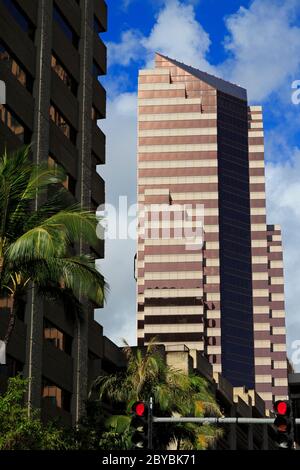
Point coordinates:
pixel 254 43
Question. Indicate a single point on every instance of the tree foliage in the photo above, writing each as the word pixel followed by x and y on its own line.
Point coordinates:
pixel 39 226
pixel 174 393
pixel 19 431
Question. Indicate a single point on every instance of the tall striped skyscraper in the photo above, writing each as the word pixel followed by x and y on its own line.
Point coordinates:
pixel 200 144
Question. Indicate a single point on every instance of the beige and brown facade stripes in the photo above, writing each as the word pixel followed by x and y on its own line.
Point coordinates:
pixel 185 123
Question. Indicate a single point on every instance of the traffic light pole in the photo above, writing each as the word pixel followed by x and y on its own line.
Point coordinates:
pixel 150 425
pixel 217 420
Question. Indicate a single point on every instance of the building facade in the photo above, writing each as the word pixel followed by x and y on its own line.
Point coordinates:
pixel 51 56
pixel 201 146
pixel 232 401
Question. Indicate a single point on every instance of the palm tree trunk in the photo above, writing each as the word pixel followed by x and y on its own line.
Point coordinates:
pixel 11 321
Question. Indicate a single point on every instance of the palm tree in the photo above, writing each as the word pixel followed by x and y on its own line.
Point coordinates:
pixel 174 393
pixel 36 239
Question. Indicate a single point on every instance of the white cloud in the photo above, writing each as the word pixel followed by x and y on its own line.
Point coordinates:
pixel 126 3
pixel 119 316
pixel 176 33
pixel 283 194
pixel 127 50
pixel 179 35
pixel 264 46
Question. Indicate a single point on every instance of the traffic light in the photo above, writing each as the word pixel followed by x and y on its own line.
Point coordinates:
pixel 139 422
pixel 284 424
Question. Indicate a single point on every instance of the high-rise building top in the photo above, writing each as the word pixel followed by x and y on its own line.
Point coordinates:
pixel 201 147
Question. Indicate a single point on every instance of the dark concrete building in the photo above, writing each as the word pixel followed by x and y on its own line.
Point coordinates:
pixel 51 56
pixel 237 402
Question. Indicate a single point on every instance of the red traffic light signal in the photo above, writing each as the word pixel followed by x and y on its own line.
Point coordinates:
pixel 139 425
pixel 282 408
pixel 283 424
pixel 139 408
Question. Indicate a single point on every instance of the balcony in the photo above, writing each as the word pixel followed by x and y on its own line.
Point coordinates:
pixel 62 318
pixel 20 100
pixel 64 100
pixel 99 97
pixel 98 189
pixel 100 11
pixel 94 369
pixel 98 144
pixel 71 11
pixel 30 7
pixel 100 55
pixel 53 413
pixel 95 338
pixel 8 140
pixel 113 353
pixel 63 150
pixel 18 41
pixel 66 52
pixel 62 375
pixel 17 344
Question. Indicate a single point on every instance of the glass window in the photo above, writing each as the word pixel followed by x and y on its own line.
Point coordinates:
pixel 64 25
pixel 70 182
pixel 62 123
pixel 63 74
pixel 20 17
pixel 11 121
pixel 58 338
pixel 57 395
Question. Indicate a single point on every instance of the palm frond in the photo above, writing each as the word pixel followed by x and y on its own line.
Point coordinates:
pixel 77 224
pixel 42 242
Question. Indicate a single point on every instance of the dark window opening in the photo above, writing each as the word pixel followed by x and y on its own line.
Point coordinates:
pixel 62 123
pixel 65 26
pixel 65 76
pixel 13 123
pixel 20 17
pixel 58 338
pixel 15 67
pixel 58 397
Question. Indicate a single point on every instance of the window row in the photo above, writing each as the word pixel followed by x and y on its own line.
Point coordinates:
pixel 28 27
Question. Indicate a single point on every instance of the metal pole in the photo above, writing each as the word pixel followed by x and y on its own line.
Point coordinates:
pixel 150 425
pixel 216 420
